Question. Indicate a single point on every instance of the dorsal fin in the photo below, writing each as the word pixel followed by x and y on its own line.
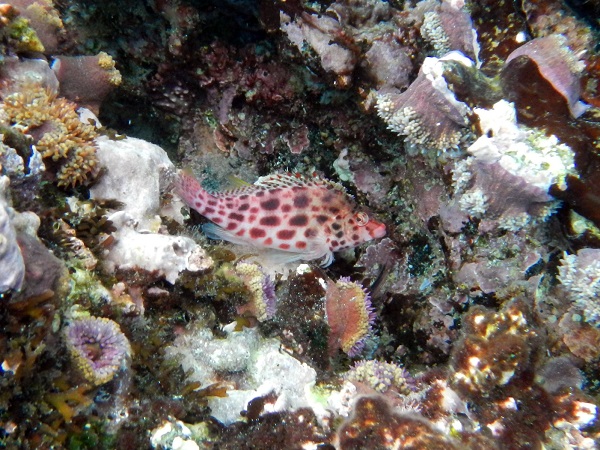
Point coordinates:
pixel 282 180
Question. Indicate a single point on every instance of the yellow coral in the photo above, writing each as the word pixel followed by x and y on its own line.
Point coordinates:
pixel 69 403
pixel 106 62
pixel 66 140
pixel 253 277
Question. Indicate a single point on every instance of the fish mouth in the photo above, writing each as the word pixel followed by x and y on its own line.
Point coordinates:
pixel 377 230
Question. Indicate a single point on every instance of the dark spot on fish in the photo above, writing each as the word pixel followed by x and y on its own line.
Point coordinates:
pixel 301 201
pixel 244 207
pixel 209 210
pixel 260 194
pixel 299 220
pixel 334 210
pixel 322 218
pixel 270 205
pixel 300 244
pixel 256 233
pixel 270 221
pixel 286 234
pixel 232 226
pixel 286 208
pixel 310 233
pixel 336 226
pixel 339 234
pixel 236 216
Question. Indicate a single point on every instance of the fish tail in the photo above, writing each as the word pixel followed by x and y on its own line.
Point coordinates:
pixel 189 189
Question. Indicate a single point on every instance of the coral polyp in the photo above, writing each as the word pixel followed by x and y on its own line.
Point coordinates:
pixel 62 138
pixel 98 348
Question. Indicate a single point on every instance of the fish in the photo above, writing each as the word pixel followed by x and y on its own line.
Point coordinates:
pixel 300 218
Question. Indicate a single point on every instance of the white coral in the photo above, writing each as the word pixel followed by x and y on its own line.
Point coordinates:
pixel 580 275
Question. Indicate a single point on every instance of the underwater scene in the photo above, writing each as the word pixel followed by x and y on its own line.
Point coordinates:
pixel 300 225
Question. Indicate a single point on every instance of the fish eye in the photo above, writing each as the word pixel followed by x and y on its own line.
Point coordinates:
pixel 362 218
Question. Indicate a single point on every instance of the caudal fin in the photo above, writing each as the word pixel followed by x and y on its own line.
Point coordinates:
pixel 188 188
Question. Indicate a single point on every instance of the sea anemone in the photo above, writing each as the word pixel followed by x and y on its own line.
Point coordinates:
pixel 262 304
pixel 98 348
pixel 350 316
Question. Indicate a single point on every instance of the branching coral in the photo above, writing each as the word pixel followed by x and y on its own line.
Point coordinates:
pixel 61 138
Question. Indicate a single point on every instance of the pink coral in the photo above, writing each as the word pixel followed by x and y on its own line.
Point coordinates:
pixel 86 80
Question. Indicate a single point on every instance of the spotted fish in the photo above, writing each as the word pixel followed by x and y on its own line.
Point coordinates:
pixel 301 218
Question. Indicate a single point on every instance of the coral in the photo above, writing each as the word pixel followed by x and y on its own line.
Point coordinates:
pixel 18 31
pixel 449 28
pixel 165 255
pixel 137 175
pixel 12 266
pixel 249 366
pixel 175 434
pixel 262 304
pixel 350 316
pixel 557 65
pixel 388 64
pixel 427 113
pixel 45 20
pixel 380 376
pixel 511 171
pixel 320 32
pixel 86 80
pixel 478 362
pixel 580 275
pixel 374 425
pixel 98 348
pixel 71 402
pixel 61 138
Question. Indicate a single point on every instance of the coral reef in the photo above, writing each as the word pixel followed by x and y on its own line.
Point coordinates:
pixel 445 152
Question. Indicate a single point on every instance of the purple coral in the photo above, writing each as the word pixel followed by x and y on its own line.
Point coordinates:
pixel 427 113
pixel 98 347
pixel 269 297
pixel 557 64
